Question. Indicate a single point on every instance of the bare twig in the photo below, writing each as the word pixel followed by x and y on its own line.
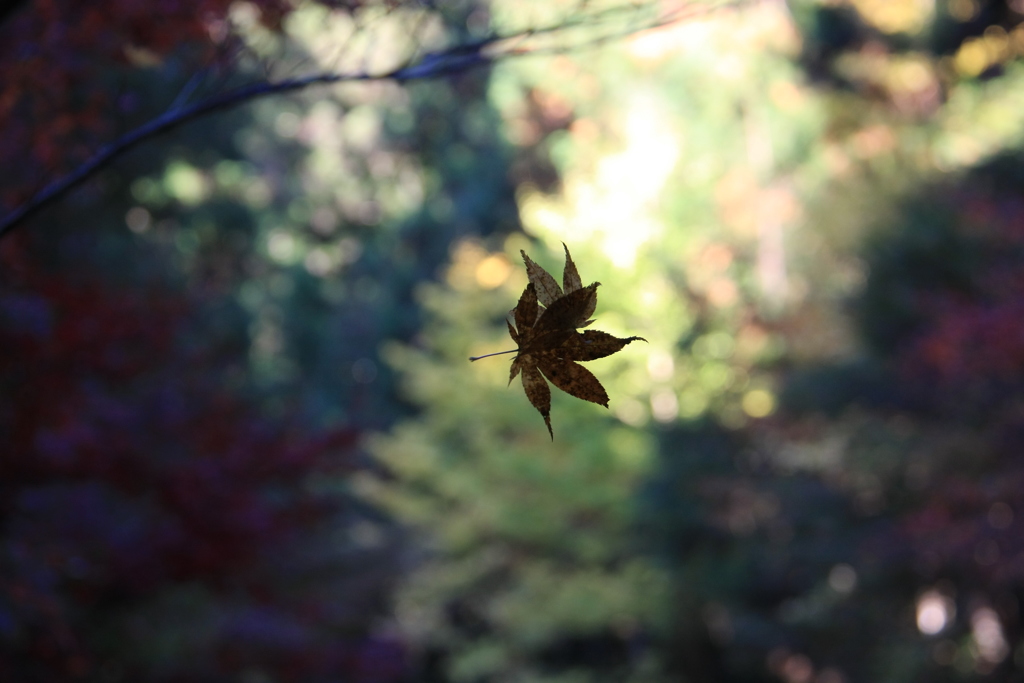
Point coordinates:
pixel 170 119
pixel 454 60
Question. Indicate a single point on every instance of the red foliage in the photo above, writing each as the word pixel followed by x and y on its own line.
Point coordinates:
pixel 969 528
pixel 967 358
pixel 128 470
pixel 975 341
pixel 56 106
pixel 976 338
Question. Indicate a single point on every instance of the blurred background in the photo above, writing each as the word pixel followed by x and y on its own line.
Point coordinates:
pixel 239 436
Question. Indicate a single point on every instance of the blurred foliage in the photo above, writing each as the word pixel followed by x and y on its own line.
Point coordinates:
pixel 191 355
pixel 783 201
pixel 809 209
pixel 533 569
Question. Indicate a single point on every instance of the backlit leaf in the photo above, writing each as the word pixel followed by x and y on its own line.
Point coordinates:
pixel 548 340
pixel 548 290
pixel 573 379
pixel 570 276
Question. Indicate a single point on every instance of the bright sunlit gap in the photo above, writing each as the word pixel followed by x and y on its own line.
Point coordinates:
pixel 988 636
pixel 493 271
pixel 935 612
pixel 615 204
pixel 897 16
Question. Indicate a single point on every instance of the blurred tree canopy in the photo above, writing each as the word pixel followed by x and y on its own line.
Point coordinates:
pixel 243 442
pixel 798 208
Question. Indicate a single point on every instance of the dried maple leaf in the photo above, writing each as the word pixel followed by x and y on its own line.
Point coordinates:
pixel 548 340
pixel 548 290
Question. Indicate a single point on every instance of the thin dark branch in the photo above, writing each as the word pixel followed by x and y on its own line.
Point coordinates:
pixel 454 60
pixel 163 123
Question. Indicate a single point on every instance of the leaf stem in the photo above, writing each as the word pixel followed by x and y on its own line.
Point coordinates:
pixel 488 355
